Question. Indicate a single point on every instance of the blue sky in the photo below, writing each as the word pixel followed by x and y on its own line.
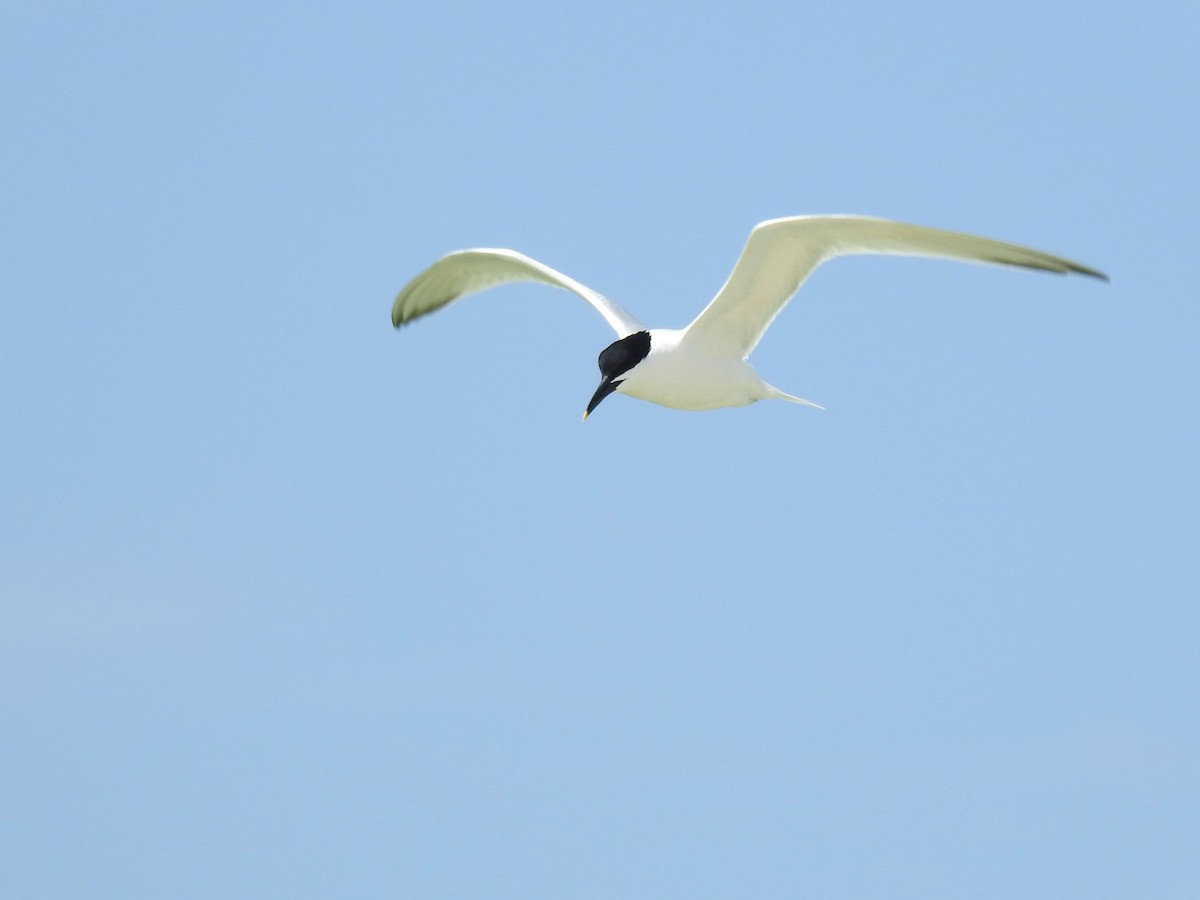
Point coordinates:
pixel 298 606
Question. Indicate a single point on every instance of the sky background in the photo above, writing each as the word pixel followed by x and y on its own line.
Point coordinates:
pixel 294 605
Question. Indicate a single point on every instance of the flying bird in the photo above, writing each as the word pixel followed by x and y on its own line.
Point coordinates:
pixel 704 366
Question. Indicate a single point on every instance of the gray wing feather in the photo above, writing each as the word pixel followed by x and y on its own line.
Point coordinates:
pixel 781 253
pixel 470 271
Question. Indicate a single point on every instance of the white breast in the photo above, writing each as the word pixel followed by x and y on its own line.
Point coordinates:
pixel 680 376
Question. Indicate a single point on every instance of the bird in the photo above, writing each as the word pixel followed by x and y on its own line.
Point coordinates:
pixel 705 365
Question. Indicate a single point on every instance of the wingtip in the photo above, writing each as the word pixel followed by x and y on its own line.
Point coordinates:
pixel 1090 273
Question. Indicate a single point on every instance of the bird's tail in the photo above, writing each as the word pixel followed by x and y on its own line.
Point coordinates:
pixel 776 394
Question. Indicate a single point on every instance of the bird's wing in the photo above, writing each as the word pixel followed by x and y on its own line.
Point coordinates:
pixel 469 271
pixel 781 253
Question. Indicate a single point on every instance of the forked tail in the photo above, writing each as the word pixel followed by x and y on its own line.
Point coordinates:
pixel 777 394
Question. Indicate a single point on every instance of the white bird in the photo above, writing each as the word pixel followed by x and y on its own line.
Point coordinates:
pixel 703 366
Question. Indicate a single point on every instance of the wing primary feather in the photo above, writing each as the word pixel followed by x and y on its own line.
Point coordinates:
pixel 781 253
pixel 467 272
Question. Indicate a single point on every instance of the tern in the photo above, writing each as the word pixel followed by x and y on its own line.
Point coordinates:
pixel 704 366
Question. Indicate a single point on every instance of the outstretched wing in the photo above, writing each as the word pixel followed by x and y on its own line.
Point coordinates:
pixel 781 253
pixel 470 271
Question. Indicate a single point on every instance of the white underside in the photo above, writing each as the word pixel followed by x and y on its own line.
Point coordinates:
pixel 680 376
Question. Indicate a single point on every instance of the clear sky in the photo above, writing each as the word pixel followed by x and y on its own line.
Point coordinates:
pixel 294 605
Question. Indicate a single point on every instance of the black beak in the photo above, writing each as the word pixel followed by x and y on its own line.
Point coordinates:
pixel 607 386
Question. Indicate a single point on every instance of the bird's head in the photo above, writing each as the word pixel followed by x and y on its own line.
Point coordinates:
pixel 615 361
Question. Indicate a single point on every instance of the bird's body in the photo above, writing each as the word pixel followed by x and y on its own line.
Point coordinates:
pixel 682 377
pixel 703 366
